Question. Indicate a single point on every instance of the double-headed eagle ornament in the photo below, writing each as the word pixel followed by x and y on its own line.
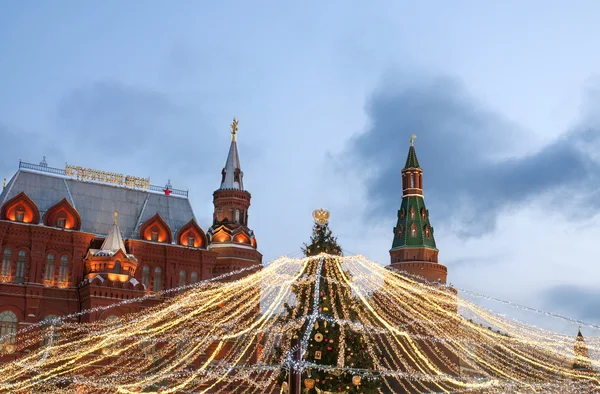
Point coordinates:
pixel 321 216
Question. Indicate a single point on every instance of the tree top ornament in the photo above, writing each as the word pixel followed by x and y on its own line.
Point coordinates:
pixel 321 216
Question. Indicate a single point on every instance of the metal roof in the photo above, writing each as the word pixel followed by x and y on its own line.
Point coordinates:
pixel 97 202
pixel 231 165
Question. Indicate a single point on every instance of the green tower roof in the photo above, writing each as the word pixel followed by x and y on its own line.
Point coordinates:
pixel 411 160
pixel 413 229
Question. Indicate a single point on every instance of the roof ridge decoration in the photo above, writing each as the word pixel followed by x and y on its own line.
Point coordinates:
pixel 113 241
pixel 232 175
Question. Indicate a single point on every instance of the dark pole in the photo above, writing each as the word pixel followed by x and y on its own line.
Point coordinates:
pixel 295 373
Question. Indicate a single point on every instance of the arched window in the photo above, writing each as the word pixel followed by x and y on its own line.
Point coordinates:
pixel 64 268
pixel 49 272
pixel 146 277
pixel 412 180
pixel 5 273
pixel 49 335
pixel 117 267
pixel 8 328
pixel 157 279
pixel 413 231
pixel 412 214
pixel 154 234
pixel 20 272
pixel 182 278
pixel 193 277
pixel 236 216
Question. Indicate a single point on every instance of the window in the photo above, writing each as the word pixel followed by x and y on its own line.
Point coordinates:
pixel 423 213
pixel 146 277
pixel 236 216
pixel 412 213
pixel 117 267
pixel 6 260
pixel 157 279
pixel 413 232
pixel 182 278
pixel 49 274
pixel 412 180
pixel 193 277
pixel 154 235
pixel 61 222
pixel 64 268
pixel 8 328
pixel 191 240
pixel 20 214
pixel 49 335
pixel 21 259
pixel 427 233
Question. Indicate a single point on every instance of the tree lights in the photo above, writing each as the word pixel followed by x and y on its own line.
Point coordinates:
pixel 412 337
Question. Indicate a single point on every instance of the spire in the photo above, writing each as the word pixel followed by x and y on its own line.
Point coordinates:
pixel 232 173
pixel 411 160
pixel 413 241
pixel 582 357
pixel 113 241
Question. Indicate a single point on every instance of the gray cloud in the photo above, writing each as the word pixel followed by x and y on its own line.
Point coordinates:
pixel 575 301
pixel 26 146
pixel 122 120
pixel 464 149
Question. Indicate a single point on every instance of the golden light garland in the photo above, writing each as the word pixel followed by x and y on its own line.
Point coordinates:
pixel 221 336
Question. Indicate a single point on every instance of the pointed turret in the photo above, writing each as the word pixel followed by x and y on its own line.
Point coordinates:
pixel 111 261
pixel 114 241
pixel 413 247
pixel 582 357
pixel 232 175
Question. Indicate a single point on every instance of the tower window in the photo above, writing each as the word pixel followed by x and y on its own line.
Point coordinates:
pixel 154 236
pixel 427 232
pixel 412 180
pixel 117 267
pixel 412 213
pixel 236 216
pixel 402 213
pixel 423 213
pixel 193 277
pixel 413 231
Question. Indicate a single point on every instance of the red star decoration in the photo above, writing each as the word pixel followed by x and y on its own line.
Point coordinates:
pixel 167 191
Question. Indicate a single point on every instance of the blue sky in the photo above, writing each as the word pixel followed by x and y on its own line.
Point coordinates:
pixel 502 96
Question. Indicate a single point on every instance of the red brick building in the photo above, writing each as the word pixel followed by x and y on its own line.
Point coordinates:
pixel 72 244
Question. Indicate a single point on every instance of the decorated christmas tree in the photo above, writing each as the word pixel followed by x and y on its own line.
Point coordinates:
pixel 332 356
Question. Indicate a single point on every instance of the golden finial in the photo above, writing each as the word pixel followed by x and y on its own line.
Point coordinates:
pixel 234 128
pixel 116 215
pixel 412 140
pixel 321 216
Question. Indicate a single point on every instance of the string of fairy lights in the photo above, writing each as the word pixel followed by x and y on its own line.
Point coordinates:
pixel 215 336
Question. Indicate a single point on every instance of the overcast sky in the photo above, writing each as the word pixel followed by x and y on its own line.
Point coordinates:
pixel 504 98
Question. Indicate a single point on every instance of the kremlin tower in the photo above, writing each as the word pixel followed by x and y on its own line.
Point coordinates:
pixel 230 237
pixel 413 248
